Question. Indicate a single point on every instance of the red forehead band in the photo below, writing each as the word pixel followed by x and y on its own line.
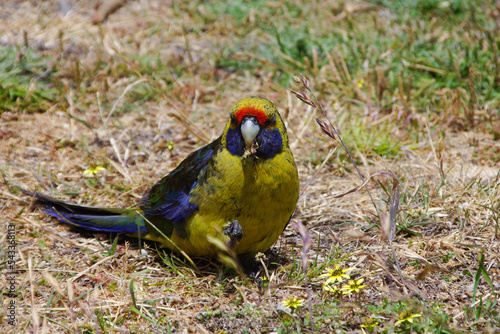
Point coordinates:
pixel 251 111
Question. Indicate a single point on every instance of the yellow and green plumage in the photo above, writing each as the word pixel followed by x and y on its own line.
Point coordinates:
pixel 246 176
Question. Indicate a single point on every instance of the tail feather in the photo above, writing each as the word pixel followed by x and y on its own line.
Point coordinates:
pixel 92 218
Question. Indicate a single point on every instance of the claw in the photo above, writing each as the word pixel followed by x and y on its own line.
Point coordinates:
pixel 250 151
pixel 235 233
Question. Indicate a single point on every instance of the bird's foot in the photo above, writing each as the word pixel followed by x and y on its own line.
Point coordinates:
pixel 235 233
pixel 250 151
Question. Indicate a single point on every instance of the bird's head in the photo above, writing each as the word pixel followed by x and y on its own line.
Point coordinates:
pixel 255 128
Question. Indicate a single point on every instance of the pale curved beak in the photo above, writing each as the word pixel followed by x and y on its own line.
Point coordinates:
pixel 249 129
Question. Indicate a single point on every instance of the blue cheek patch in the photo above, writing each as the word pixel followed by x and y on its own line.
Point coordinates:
pixel 270 143
pixel 234 142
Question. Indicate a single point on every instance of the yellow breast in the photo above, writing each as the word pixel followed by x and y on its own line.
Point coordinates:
pixel 260 194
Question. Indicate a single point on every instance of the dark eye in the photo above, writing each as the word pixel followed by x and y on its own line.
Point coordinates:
pixel 234 121
pixel 271 121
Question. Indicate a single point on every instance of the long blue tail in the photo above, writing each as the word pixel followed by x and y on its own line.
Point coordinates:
pixel 92 218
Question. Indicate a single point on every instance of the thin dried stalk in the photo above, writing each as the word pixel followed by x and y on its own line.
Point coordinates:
pixel 328 128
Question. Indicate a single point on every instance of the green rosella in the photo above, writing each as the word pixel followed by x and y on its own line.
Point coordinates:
pixel 245 183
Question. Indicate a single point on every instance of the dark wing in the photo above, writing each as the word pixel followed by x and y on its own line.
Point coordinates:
pixel 169 198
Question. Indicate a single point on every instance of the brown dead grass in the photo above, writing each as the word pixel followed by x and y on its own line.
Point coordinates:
pixel 49 151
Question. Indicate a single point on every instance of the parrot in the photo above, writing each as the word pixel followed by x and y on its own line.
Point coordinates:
pixel 245 184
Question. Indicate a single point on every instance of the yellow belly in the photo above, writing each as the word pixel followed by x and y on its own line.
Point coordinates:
pixel 260 194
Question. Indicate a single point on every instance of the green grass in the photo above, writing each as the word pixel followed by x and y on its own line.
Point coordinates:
pixel 416 55
pixel 25 80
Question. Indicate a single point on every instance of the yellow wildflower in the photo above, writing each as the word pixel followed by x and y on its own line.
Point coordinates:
pixel 333 289
pixel 407 316
pixel 265 281
pixel 293 303
pixel 336 274
pixel 92 171
pixel 370 324
pixel 353 286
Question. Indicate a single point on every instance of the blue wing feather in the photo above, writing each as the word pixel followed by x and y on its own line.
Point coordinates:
pixel 170 197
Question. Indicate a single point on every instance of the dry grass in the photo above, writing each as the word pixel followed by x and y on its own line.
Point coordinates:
pixel 158 71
